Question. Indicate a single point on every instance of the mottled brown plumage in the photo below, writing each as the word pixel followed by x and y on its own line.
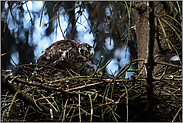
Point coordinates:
pixel 66 55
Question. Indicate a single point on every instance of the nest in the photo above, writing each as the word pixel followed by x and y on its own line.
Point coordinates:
pixel 98 97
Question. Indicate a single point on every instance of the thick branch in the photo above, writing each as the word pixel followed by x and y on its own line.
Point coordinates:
pixel 150 62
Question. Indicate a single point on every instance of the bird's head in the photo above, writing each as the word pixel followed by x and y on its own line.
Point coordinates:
pixel 86 50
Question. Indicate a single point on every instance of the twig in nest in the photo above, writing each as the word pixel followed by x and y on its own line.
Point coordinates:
pixel 104 66
pixel 176 114
pixel 127 112
pixel 84 86
pixel 91 106
pixel 26 113
pixel 36 104
pixel 97 65
pixel 129 64
pixel 14 97
pixel 39 85
pixel 65 106
pixel 113 113
pixel 48 101
pixel 79 96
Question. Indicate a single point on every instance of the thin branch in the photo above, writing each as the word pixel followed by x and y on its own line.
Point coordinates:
pixel 29 13
pixel 60 24
pixel 56 5
pixel 11 12
pixel 65 106
pixel 97 66
pixel 6 18
pixel 14 97
pixel 127 111
pixel 79 105
pixel 42 13
pixel 22 4
pixel 37 84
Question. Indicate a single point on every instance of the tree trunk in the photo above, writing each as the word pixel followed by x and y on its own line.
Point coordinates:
pixel 142 31
pixel 160 47
pixel 165 46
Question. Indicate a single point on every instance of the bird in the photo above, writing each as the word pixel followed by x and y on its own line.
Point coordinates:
pixel 67 55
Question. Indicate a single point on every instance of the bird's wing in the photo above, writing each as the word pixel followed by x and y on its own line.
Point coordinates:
pixel 57 52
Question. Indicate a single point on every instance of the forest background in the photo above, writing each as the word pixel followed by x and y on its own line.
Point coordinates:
pixel 141 40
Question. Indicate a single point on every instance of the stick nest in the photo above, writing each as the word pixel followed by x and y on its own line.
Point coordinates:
pixel 38 96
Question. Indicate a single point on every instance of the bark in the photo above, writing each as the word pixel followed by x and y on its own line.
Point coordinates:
pixel 164 46
pixel 142 31
pixel 156 42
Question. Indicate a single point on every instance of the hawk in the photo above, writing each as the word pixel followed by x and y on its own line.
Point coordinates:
pixel 68 55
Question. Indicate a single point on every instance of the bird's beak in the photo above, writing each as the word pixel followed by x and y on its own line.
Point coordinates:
pixel 89 58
